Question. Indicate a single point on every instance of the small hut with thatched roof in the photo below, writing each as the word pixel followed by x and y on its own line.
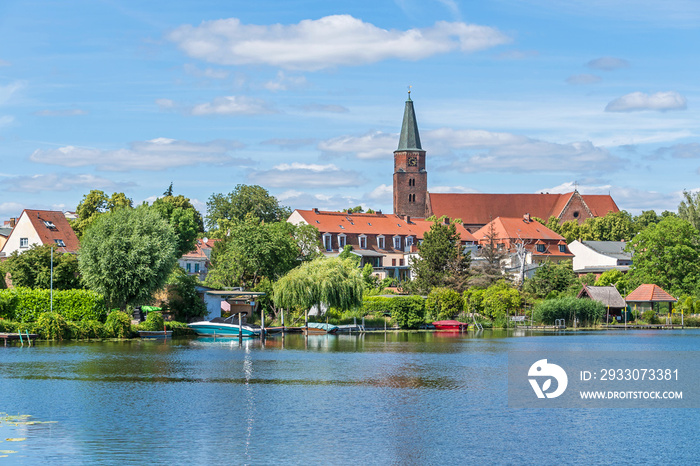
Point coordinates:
pixel 608 295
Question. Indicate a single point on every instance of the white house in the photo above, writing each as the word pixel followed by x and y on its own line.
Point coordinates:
pixel 39 227
pixel 600 256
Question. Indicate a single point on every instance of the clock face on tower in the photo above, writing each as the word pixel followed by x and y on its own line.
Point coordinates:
pixel 412 161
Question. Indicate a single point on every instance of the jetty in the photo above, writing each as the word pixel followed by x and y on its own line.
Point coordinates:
pixel 28 337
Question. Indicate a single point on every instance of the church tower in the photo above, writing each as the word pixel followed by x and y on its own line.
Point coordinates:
pixel 410 177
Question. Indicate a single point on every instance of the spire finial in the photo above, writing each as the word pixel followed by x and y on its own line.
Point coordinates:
pixel 409 92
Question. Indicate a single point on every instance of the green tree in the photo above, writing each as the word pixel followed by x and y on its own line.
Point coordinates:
pixel 333 282
pixel 253 251
pixel 614 277
pixel 487 270
pixel 441 259
pixel 32 269
pixel 183 300
pixel 689 208
pixel 183 217
pixel 645 219
pixel 443 303
pixel 501 300
pixel 667 254
pixel 553 279
pixel 243 200
pixel 348 254
pixel 94 204
pixel 128 254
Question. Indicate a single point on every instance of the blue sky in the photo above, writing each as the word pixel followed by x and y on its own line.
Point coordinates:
pixel 306 98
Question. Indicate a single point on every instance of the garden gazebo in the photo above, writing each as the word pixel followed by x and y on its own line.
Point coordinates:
pixel 650 297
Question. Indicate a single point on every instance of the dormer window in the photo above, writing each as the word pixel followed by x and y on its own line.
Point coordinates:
pixel 409 241
pixel 380 242
pixel 540 247
pixel 363 242
pixel 60 243
pixel 562 248
pixel 397 242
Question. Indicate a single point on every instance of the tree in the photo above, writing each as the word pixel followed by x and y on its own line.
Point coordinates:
pixel 614 277
pixel 667 254
pixel 443 303
pixel 32 269
pixel 183 300
pixel 689 208
pixel 488 266
pixel 254 250
pixel 243 200
pixel 441 259
pixel 552 278
pixel 500 300
pixel 93 205
pixel 183 217
pixel 127 255
pixel 333 282
pixel 615 226
pixel 645 219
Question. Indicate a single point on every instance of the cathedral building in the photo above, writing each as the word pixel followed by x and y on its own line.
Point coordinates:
pixel 412 198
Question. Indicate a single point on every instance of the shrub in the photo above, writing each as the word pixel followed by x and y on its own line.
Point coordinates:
pixel 52 326
pixel 87 329
pixel 118 325
pixel 179 328
pixel 650 317
pixel 443 303
pixel 587 311
pixel 26 304
pixel 8 326
pixel 154 322
pixel 406 311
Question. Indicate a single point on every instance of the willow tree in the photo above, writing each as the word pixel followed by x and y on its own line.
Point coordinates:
pixel 332 282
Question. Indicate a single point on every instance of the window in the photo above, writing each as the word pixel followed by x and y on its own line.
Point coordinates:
pixel 500 246
pixel 562 248
pixel 409 241
pixel 380 242
pixel 397 242
pixel 188 267
pixel 576 214
pixel 409 198
pixel 401 262
pixel 327 242
pixel 60 243
pixel 24 242
pixel 393 262
pixel 363 242
pixel 196 268
pixel 49 225
pixel 341 241
pixel 540 248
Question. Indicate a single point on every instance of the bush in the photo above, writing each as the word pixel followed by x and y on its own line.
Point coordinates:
pixel 118 325
pixel 587 311
pixel 442 304
pixel 183 300
pixel 8 326
pixel 52 326
pixel 154 322
pixel 87 329
pixel 179 328
pixel 406 311
pixel 26 304
pixel 650 317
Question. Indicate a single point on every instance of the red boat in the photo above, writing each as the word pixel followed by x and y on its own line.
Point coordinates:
pixel 450 325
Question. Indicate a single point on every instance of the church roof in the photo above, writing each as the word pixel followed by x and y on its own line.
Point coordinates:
pixel 409 139
pixel 480 209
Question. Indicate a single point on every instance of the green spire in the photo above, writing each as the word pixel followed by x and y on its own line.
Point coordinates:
pixel 409 140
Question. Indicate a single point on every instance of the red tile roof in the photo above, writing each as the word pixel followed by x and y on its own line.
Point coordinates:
pixel 42 221
pixel 372 224
pixel 532 233
pixel 479 209
pixel 200 247
pixel 650 293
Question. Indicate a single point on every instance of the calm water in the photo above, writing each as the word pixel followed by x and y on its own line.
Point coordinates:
pixel 404 398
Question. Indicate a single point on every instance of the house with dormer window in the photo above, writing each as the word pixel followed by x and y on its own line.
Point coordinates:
pixel 385 241
pixel 40 227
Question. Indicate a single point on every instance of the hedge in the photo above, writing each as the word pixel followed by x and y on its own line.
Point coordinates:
pixel 406 311
pixel 587 311
pixel 26 304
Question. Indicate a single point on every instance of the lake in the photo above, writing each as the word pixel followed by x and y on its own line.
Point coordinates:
pixel 395 398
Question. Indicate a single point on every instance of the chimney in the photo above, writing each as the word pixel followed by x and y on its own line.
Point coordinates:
pixel 526 218
pixel 13 222
pixel 379 212
pixel 407 218
pixel 315 210
pixel 446 220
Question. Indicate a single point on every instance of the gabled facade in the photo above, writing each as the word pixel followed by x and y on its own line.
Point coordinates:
pixel 525 243
pixel 198 262
pixel 600 256
pixel 39 227
pixel 385 241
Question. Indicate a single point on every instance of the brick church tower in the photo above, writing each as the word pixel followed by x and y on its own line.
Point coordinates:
pixel 410 177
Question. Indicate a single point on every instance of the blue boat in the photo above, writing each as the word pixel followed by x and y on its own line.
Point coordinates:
pixel 219 327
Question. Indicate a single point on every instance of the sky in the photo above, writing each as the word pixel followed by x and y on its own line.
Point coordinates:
pixel 306 99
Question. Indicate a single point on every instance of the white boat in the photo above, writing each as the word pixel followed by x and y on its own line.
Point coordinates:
pixel 219 327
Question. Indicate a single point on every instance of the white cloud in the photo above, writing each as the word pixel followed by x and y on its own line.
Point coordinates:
pixel 61 113
pixel 451 189
pixel 283 82
pixel 325 108
pixel 165 104
pixel 608 63
pixel 156 154
pixel 639 101
pixel 307 175
pixel 304 200
pixel 382 193
pixel 583 79
pixel 9 90
pixel 58 182
pixel 326 42
pixel 289 144
pixel 446 139
pixel 205 73
pixel 232 105
pixel 681 151
pixel 373 145
pixel 10 209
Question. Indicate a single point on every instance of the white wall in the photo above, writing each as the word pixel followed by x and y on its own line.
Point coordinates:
pixel 23 229
pixel 587 257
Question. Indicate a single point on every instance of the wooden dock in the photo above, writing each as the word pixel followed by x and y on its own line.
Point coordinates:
pixel 16 336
